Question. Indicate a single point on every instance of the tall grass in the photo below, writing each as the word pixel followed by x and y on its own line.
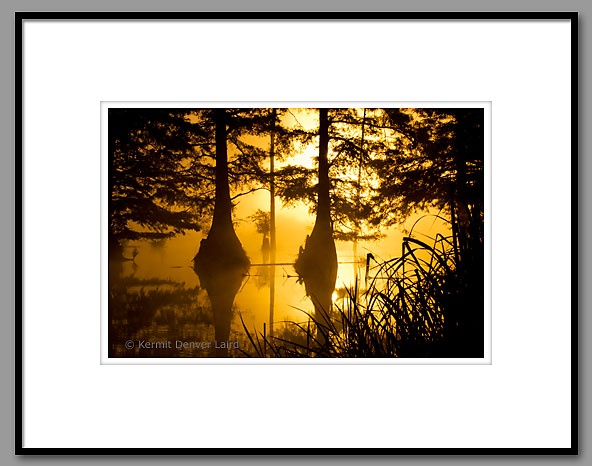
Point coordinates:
pixel 426 303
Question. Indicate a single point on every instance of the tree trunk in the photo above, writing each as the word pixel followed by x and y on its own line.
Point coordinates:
pixel 317 263
pixel 358 198
pixel 222 246
pixel 323 220
pixel 272 237
pixel 461 129
pixel 221 262
pixel 222 221
pixel 115 250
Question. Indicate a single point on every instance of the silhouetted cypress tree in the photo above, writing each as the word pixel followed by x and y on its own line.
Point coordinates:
pixel 317 262
pixel 221 246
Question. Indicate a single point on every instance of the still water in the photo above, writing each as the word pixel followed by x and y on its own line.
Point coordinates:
pixel 156 301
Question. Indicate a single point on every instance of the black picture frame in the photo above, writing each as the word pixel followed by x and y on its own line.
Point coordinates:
pixel 20 17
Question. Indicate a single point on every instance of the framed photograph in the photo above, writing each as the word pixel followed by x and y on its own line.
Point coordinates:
pixel 377 242
pixel 214 205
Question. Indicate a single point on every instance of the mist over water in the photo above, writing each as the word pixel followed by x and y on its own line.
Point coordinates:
pixel 185 312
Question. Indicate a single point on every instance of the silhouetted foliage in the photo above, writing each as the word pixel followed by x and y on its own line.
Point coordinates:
pixel 354 139
pixel 436 158
pixel 156 187
pixel 261 221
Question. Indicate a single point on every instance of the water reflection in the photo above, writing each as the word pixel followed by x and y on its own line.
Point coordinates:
pixel 317 261
pixel 165 304
pixel 161 296
pixel 222 283
pixel 317 266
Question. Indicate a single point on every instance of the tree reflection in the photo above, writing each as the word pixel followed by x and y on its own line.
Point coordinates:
pixel 317 261
pixel 222 283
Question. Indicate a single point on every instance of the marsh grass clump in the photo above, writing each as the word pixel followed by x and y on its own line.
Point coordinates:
pixel 426 303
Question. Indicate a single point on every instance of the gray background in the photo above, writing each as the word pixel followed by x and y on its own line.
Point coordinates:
pixel 7 200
